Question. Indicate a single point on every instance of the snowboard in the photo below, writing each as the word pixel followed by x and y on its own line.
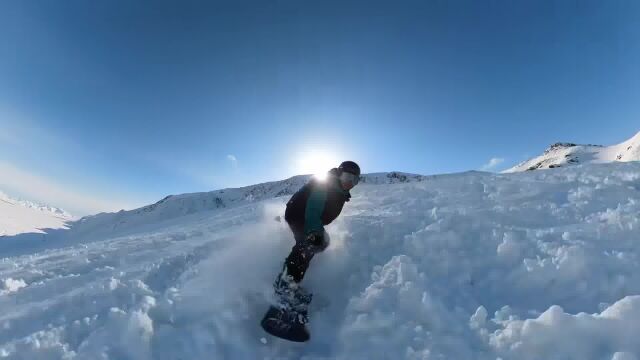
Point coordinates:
pixel 282 323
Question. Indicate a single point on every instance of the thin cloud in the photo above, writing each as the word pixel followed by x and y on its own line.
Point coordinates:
pixel 22 134
pixel 186 167
pixel 234 160
pixel 18 129
pixel 492 164
pixel 42 189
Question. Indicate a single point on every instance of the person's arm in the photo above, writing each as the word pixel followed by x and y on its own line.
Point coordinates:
pixel 313 211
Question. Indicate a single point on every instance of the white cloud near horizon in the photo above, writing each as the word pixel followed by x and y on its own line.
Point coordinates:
pixel 44 190
pixel 19 129
pixel 20 135
pixel 234 160
pixel 492 164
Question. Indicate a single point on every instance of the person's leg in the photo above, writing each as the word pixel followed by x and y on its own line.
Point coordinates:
pixel 299 259
pixel 301 254
pixel 287 287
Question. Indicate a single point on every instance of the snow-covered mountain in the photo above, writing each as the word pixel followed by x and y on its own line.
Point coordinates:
pixel 20 216
pixel 564 154
pixel 176 206
pixel 530 265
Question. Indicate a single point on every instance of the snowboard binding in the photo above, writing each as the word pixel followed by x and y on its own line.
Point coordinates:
pixel 288 319
pixel 285 325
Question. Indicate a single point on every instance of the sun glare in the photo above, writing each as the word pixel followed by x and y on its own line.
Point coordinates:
pixel 316 163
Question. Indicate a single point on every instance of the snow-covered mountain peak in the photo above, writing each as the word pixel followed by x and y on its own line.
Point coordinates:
pixel 636 138
pixel 19 216
pixel 56 211
pixel 558 146
pixel 564 154
pixel 392 177
pixel 631 148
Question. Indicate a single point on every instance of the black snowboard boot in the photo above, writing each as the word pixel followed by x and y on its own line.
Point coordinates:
pixel 292 297
pixel 287 319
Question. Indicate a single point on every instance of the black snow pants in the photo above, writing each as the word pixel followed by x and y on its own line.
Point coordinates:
pixel 302 252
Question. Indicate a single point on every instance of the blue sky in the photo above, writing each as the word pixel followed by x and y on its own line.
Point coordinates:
pixel 110 104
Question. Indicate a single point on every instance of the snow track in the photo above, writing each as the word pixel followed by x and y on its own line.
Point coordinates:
pixel 540 265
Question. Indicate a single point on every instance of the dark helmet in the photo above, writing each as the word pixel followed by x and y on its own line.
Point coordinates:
pixel 350 167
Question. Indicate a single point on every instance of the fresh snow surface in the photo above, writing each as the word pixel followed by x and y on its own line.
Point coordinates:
pixel 20 216
pixel 533 265
pixel 565 154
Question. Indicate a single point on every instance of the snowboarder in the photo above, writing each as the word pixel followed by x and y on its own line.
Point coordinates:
pixel 316 204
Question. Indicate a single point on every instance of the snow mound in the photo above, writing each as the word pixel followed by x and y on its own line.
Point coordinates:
pixel 531 265
pixel 546 336
pixel 564 154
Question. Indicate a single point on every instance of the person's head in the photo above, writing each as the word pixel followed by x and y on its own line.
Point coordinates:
pixel 349 174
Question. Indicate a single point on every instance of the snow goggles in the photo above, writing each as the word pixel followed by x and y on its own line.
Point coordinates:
pixel 349 177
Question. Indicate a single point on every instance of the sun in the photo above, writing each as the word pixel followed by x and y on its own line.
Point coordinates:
pixel 316 163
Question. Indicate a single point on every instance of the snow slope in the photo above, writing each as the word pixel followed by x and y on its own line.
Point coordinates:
pixel 19 216
pixel 533 265
pixel 563 154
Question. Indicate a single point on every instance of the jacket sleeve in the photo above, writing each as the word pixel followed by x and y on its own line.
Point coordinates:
pixel 313 211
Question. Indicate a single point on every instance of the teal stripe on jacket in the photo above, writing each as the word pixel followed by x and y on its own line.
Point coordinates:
pixel 313 211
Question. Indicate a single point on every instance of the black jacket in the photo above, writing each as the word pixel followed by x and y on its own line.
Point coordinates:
pixel 317 203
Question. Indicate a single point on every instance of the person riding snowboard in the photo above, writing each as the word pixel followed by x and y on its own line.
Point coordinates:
pixel 316 204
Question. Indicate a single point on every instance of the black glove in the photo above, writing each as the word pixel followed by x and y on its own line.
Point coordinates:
pixel 316 238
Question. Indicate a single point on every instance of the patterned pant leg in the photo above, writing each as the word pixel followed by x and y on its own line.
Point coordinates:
pixel 290 294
